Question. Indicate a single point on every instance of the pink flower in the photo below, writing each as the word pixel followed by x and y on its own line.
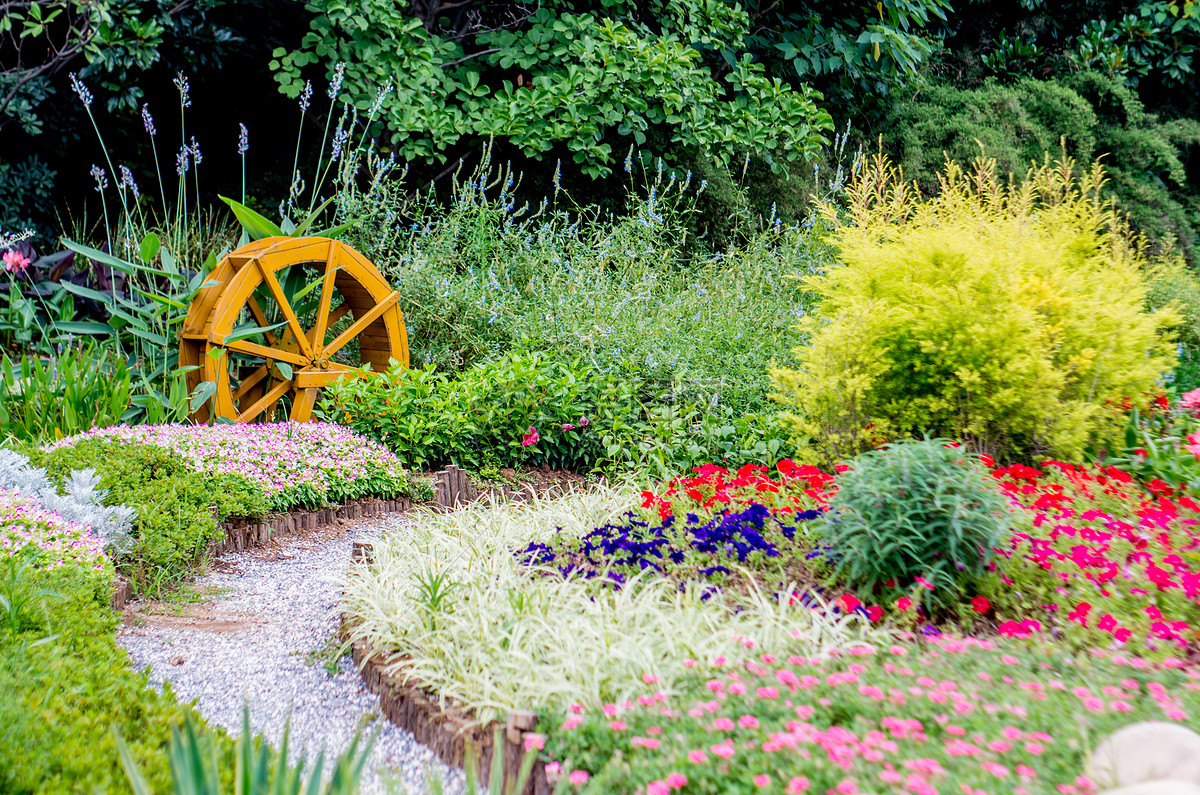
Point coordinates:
pixel 762 780
pixel 618 725
pixel 578 777
pixel 723 750
pixel 534 741
pixel 723 724
pixel 530 438
pixel 697 757
pixel 15 262
pixel 583 422
pixel 798 785
pixel 568 426
pixel 748 722
pixel 676 780
pixel 657 788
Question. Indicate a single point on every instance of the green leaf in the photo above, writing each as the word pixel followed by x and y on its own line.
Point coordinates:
pixel 254 225
pixel 245 333
pixel 149 247
pixel 307 222
pixel 204 391
pixel 285 369
pixel 335 231
pixel 82 327
pixel 87 292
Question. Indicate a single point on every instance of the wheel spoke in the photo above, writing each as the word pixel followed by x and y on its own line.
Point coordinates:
pixel 245 346
pixel 286 308
pixel 360 324
pixel 249 381
pixel 276 392
pixel 260 317
pixel 302 404
pixel 318 332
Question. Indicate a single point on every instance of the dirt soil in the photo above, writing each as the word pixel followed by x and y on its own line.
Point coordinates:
pixel 540 481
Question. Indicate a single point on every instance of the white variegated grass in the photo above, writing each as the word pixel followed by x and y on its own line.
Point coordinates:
pixel 508 637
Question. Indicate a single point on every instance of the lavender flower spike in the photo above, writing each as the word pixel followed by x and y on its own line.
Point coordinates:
pixel 181 83
pixel 85 96
pixel 148 120
pixel 243 139
pixel 127 181
pixel 335 85
pixel 306 96
pixel 100 177
pixel 181 161
pixel 379 97
pixel 197 159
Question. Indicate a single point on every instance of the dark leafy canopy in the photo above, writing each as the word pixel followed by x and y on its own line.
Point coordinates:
pixel 110 42
pixel 591 79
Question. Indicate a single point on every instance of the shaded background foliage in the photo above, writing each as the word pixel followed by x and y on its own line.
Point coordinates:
pixel 706 84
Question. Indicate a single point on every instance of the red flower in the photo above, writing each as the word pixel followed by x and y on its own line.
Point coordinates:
pixel 874 612
pixel 848 603
pixel 903 604
pixel 980 604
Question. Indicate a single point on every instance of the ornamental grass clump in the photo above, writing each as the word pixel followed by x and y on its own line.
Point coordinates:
pixel 1010 315
pixel 470 623
pixel 912 511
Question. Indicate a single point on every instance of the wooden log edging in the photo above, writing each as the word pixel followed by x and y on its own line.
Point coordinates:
pixel 452 488
pixel 241 534
pixel 448 730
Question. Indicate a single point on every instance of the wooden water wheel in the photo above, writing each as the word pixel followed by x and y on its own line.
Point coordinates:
pixel 286 317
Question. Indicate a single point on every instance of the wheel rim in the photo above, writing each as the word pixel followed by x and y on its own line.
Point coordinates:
pixel 285 318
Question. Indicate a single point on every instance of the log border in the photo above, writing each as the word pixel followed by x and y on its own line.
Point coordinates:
pixel 452 488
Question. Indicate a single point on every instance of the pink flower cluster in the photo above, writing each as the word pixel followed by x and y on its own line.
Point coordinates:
pixel 924 717
pixel 27 528
pixel 283 459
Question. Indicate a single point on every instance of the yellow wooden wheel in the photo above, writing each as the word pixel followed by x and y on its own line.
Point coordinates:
pixel 286 317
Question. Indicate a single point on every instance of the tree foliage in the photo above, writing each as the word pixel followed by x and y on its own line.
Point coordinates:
pixel 593 78
pixel 111 42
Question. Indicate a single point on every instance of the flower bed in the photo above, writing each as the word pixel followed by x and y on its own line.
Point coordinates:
pixel 294 464
pixel 1101 558
pixel 971 715
pixel 29 531
pixel 473 624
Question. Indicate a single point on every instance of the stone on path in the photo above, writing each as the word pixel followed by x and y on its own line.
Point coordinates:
pixel 1157 788
pixel 1149 752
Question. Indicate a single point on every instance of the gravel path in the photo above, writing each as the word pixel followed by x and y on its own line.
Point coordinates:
pixel 257 641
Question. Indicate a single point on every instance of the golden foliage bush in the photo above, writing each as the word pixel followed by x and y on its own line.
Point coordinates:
pixel 1011 315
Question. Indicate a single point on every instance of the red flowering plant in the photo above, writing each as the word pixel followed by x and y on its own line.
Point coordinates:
pixel 1162 440
pixel 714 490
pixel 1099 559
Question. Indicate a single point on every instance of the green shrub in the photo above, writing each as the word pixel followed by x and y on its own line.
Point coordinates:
pixel 920 508
pixel 66 684
pixel 634 293
pixel 177 507
pixel 1171 283
pixel 584 418
pixel 1011 316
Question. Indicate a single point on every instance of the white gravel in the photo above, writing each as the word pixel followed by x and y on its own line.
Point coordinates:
pixel 254 642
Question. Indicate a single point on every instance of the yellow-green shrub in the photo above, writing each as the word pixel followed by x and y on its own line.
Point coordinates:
pixel 1010 315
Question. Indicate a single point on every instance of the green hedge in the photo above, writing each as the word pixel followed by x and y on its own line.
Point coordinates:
pixel 67 683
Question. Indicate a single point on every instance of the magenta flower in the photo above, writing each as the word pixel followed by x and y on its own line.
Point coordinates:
pixel 530 438
pixel 15 261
